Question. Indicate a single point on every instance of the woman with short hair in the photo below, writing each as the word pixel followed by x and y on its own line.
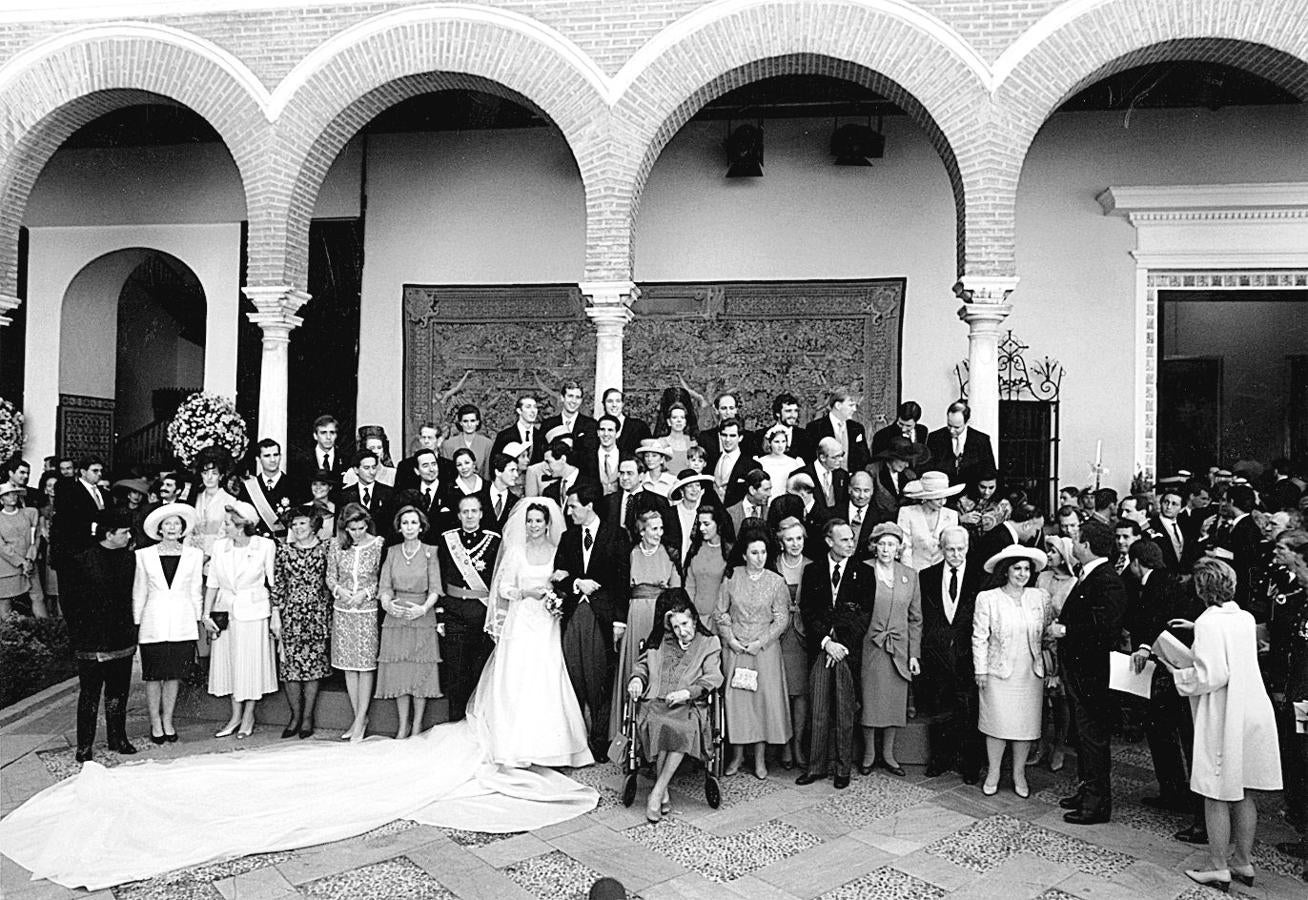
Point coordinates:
pixel 790 564
pixel 239 617
pixel 353 569
pixel 467 482
pixel 301 599
pixel 1235 744
pixel 167 606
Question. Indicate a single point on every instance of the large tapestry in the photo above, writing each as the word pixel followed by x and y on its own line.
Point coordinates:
pixel 488 344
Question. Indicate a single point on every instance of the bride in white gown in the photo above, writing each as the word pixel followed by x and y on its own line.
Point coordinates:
pixel 524 704
pixel 108 826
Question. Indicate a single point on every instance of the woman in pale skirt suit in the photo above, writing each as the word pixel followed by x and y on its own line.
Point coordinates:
pixel 752 615
pixel 892 647
pixel 1008 635
pixel 1235 741
pixel 241 662
pixel 924 518
pixel 167 604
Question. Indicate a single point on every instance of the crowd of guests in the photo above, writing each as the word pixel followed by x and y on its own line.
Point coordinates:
pixel 829 582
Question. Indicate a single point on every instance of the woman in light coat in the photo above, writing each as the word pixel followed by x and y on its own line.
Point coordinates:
pixel 167 605
pixel 923 518
pixel 1235 742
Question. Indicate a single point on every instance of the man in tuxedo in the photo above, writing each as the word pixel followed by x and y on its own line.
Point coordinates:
pixel 1157 597
pixel 1239 533
pixel 835 601
pixel 499 496
pixel 839 424
pixel 858 512
pixel 906 425
pixel 406 473
pixel 958 447
pixel 758 493
pixel 370 493
pixel 269 490
pixel 1198 509
pixel 732 463
pixel 829 476
pixel 891 471
pixel 578 424
pixel 631 431
pixel 1165 531
pixel 525 431
pixel 1025 525
pixel 727 406
pixel 1088 629
pixel 432 495
pixel 79 503
pixel 1125 533
pixel 467 557
pixel 785 412
pixel 625 505
pixel 324 455
pixel 561 474
pixel 601 462
pixel 947 687
pixel 469 437
pixel 596 557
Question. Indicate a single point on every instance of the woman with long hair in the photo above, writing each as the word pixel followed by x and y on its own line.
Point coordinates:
pixel 677 427
pixel 706 562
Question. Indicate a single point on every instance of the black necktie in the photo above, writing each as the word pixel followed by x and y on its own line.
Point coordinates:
pixel 367 497
pixel 586 540
pixel 426 497
pixel 953 585
pixel 835 579
pixel 499 505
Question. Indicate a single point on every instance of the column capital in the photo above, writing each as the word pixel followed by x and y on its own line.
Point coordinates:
pixel 7 305
pixel 985 289
pixel 609 302
pixel 275 308
pixel 984 317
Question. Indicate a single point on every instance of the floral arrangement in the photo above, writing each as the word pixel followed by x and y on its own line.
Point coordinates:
pixel 11 430
pixel 207 420
pixel 553 603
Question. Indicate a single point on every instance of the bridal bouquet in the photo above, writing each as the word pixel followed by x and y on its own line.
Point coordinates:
pixel 553 603
pixel 205 420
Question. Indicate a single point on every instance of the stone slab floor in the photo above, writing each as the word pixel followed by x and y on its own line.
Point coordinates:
pixel 884 837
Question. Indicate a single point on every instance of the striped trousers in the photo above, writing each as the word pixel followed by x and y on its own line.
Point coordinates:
pixel 833 704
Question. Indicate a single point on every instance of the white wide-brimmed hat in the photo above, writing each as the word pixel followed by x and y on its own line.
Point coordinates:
pixel 655 445
pixel 183 511
pixel 1039 559
pixel 243 511
pixel 931 486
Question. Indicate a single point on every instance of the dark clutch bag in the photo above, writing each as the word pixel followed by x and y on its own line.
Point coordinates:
pixel 221 619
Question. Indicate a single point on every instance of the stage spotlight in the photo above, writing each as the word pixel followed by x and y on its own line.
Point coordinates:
pixel 857 145
pixel 744 148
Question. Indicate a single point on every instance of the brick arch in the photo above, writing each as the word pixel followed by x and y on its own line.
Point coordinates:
pixel 57 91
pixel 388 65
pixel 871 44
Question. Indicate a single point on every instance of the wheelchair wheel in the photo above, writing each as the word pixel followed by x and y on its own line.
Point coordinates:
pixel 712 791
pixel 629 790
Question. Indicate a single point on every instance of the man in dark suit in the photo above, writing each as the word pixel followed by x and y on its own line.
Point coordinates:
pixel 369 493
pixel 1156 597
pixel 579 425
pixel 467 557
pixel 829 476
pixel 1165 531
pixel 758 493
pixel 1025 525
pixel 560 471
pixel 525 431
pixel 624 506
pixel 785 412
pixel 1239 533
pixel 406 472
pixel 324 455
pixel 859 513
pixel 433 496
pixel 79 503
pixel 269 490
pixel 732 463
pixel 839 423
pixel 499 495
pixel 836 605
pixel 631 431
pixel 727 407
pixel 596 557
pixel 947 687
pixel 906 425
pixel 958 448
pixel 600 463
pixel 1088 629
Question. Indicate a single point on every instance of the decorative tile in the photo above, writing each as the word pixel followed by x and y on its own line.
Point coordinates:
pixel 885 884
pixel 740 788
pixel 984 845
pixel 1056 894
pixel 872 798
pixel 477 838
pixel 390 828
pixel 1266 858
pixel 553 876
pixel 723 858
pixel 196 882
pixel 394 879
pixel 605 778
pixel 157 890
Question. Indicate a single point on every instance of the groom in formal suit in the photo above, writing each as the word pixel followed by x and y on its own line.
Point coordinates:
pixel 595 555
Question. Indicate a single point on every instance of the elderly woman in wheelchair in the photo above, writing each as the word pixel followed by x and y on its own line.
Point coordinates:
pixel 672 710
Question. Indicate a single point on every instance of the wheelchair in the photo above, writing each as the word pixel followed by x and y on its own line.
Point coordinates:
pixel 713 762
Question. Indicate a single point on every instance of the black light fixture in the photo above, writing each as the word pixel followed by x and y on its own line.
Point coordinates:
pixel 744 148
pixel 857 145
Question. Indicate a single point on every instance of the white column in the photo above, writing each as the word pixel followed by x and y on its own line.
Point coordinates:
pixel 8 305
pixel 985 307
pixel 276 307
pixel 610 309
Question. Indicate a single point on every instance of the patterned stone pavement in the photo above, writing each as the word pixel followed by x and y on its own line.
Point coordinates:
pixel 884 837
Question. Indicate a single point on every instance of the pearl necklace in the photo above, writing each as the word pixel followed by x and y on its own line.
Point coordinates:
pixel 648 553
pixel 409 557
pixel 755 576
pixel 789 566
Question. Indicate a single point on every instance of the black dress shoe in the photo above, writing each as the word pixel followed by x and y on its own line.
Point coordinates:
pixel 934 770
pixel 841 782
pixel 1072 802
pixel 896 770
pixel 866 770
pixel 83 754
pixel 123 747
pixel 809 778
pixel 1086 817
pixel 971 777
pixel 1192 835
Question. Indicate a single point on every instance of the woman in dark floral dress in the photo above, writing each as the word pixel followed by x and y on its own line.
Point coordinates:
pixel 300 594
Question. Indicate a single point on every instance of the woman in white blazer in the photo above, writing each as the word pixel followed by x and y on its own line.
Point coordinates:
pixel 924 517
pixel 1235 743
pixel 167 605
pixel 241 573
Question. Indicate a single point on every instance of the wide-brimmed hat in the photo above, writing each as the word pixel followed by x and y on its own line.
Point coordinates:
pixel 244 511
pixel 931 486
pixel 904 448
pixel 557 432
pixel 514 449
pixel 183 511
pixel 9 488
pixel 688 476
pixel 1064 545
pixel 654 445
pixel 886 528
pixel 1221 553
pixel 323 476
pixel 1038 558
pixel 140 485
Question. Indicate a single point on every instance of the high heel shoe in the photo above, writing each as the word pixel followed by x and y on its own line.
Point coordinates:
pixel 170 738
pixel 158 739
pixel 243 733
pixel 306 730
pixel 1021 790
pixel 1056 761
pixel 866 768
pixel 228 731
pixel 990 789
pixel 1243 874
pixel 290 730
pixel 1217 878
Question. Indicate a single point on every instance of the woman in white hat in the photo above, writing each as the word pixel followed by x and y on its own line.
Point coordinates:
pixel 655 455
pixel 167 605
pixel 924 518
pixel 18 547
pixel 1008 638
pixel 239 617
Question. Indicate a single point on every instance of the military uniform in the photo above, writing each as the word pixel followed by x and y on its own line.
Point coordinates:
pixel 467 646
